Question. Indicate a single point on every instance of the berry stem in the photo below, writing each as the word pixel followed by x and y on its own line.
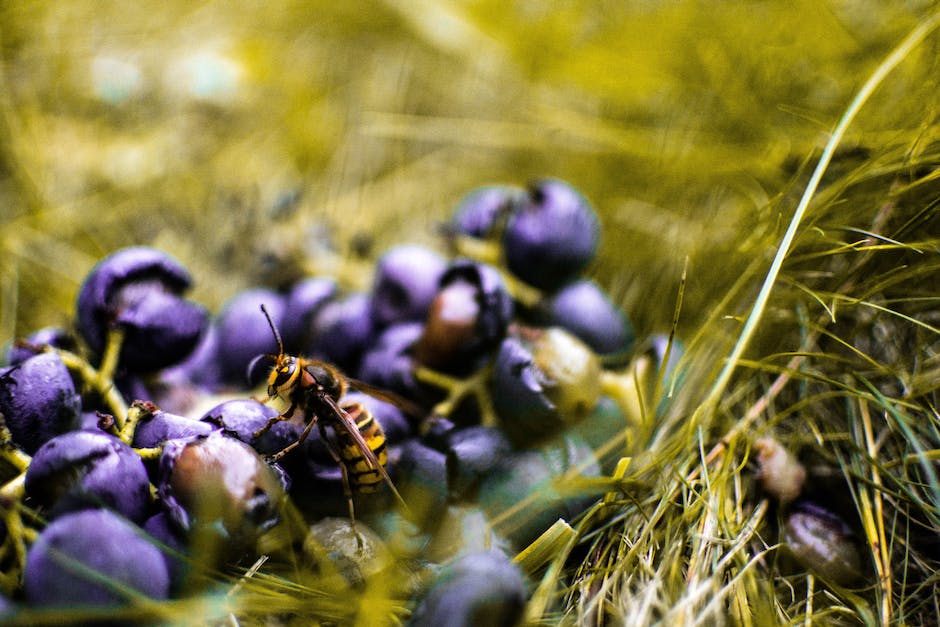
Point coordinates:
pixel 11 453
pixel 112 353
pixel 491 253
pixel 457 389
pixel 100 384
pixel 627 389
pixel 137 411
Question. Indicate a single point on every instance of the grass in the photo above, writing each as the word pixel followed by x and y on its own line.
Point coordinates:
pixel 771 168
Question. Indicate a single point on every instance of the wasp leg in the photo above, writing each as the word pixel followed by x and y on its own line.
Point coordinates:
pixel 273 421
pixel 347 489
pixel 290 447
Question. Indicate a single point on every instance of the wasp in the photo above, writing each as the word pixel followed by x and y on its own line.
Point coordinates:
pixel 316 387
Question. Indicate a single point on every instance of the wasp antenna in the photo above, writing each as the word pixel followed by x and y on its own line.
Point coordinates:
pixel 253 366
pixel 277 336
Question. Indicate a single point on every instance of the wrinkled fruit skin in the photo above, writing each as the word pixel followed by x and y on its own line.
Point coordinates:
pixel 38 400
pixel 77 556
pixel 483 588
pixel 139 289
pixel 551 236
pixel 545 380
pixel 823 543
pixel 88 469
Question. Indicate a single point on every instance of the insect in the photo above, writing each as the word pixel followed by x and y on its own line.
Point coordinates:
pixel 316 387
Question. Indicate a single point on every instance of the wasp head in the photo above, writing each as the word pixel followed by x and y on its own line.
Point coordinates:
pixel 284 376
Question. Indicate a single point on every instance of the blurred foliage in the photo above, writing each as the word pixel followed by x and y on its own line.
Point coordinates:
pixel 247 141
pixel 224 134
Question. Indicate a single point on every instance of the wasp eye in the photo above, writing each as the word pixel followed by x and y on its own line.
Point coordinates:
pixel 282 376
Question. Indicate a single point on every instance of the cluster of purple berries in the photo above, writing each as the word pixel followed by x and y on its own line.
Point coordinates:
pixel 492 383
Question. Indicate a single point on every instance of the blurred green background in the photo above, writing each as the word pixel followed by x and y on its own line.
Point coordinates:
pixel 235 136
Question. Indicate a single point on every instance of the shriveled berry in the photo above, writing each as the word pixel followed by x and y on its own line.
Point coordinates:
pixel 551 235
pixel 304 300
pixel 467 317
pixel 822 542
pixel 219 483
pixel 38 400
pixel 140 290
pixel 481 211
pixel 406 279
pixel 92 558
pixel 585 310
pixel 483 588
pixel 34 343
pixel 85 470
pixel 244 332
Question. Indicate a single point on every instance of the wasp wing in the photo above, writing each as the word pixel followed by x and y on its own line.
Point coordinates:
pixel 349 426
pixel 410 408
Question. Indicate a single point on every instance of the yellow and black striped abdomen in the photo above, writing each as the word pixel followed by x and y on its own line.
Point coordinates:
pixel 363 476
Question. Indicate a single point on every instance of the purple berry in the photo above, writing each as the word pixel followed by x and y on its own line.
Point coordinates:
pixel 394 423
pixel 304 300
pixel 88 469
pixel 243 418
pixel 583 308
pixel 88 558
pixel 38 400
pixel 202 367
pixel 34 343
pixel 531 476
pixel 156 428
pixel 551 236
pixel 471 454
pixel 421 475
pixel 172 545
pixel 484 588
pixel 467 318
pixel 219 484
pixel 406 279
pixel 342 329
pixel 481 211
pixel 244 332
pixel 544 381
pixel 388 364
pixel 140 290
